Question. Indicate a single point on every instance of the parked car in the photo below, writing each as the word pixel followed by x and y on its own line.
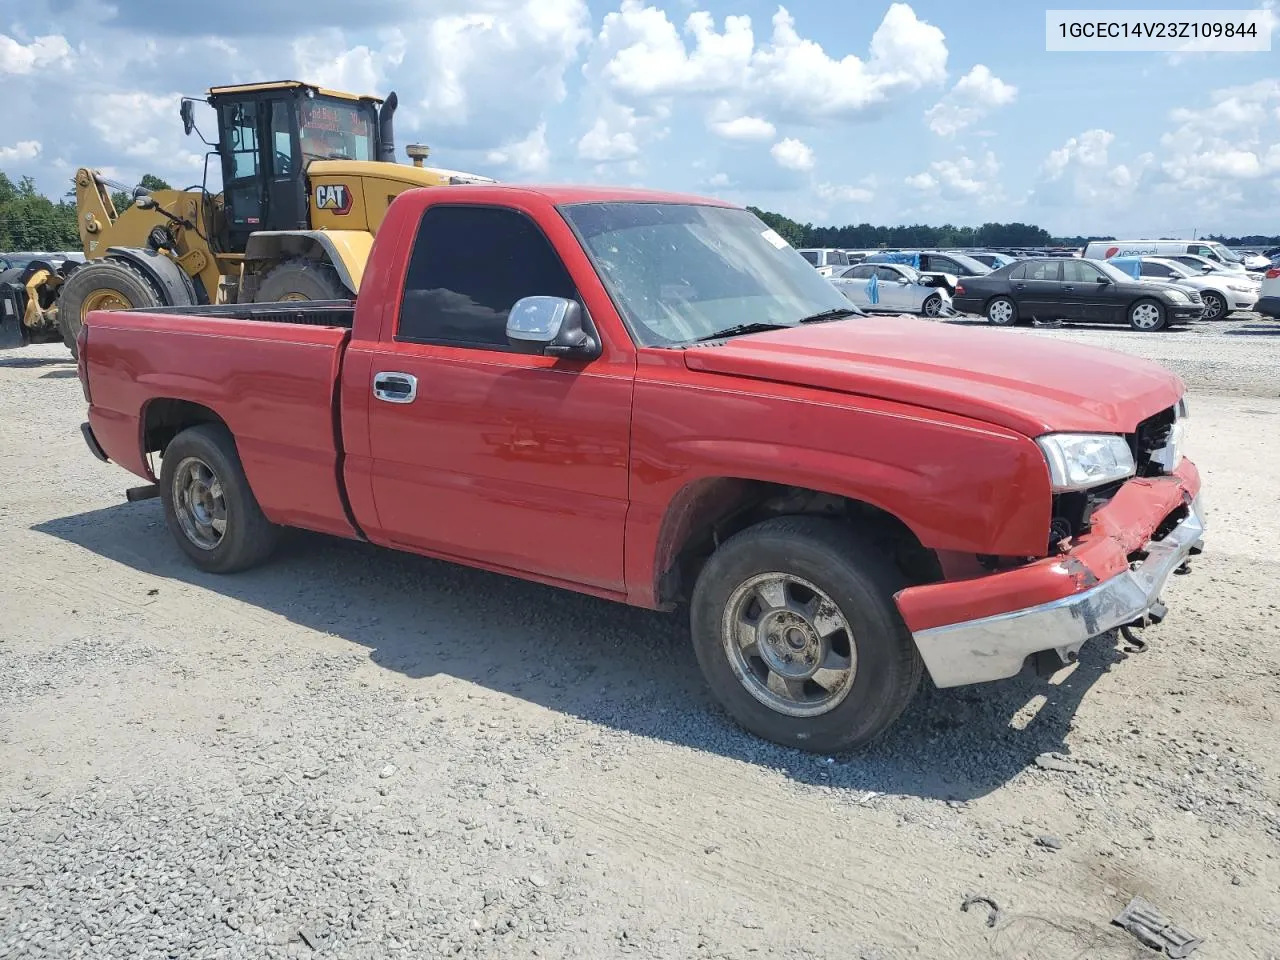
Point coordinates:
pixel 653 399
pixel 991 260
pixel 899 289
pixel 1269 299
pixel 1253 260
pixel 1208 266
pixel 1222 292
pixel 947 266
pixel 1210 249
pixel 826 259
pixel 1050 288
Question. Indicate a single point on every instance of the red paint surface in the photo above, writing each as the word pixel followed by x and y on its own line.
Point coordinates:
pixel 570 472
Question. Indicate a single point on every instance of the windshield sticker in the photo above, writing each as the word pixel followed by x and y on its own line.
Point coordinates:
pixel 772 236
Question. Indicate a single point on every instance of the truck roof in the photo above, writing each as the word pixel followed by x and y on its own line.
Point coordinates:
pixel 574 193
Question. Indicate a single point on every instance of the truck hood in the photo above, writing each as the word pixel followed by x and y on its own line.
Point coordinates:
pixel 1025 383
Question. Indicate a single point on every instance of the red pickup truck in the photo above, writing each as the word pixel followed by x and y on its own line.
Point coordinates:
pixel 653 398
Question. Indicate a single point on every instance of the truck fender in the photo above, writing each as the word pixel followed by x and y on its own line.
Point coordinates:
pixel 174 285
pixel 346 250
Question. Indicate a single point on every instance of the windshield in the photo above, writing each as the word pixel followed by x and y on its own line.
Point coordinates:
pixel 1226 255
pixel 335 130
pixel 678 272
pixel 977 266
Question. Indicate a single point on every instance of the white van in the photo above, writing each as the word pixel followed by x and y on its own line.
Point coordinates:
pixel 1106 249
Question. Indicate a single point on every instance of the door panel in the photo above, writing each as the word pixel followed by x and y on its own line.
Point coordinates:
pixel 504 458
pixel 1039 293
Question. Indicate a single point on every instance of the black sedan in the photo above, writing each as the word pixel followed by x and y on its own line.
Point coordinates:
pixel 1069 288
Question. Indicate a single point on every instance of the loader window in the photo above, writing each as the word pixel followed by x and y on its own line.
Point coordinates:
pixel 336 130
pixel 244 141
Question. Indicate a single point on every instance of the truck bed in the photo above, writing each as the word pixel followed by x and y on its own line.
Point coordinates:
pixel 268 371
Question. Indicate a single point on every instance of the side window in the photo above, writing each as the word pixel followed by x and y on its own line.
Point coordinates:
pixel 1076 271
pixel 944 265
pixel 468 268
pixel 1155 270
pixel 1019 272
pixel 887 273
pixel 810 255
pixel 281 139
pixel 863 272
pixel 1044 270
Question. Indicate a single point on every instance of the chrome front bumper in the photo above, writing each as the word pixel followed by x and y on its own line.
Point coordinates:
pixel 996 647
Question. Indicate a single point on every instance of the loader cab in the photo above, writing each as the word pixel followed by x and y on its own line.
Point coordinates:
pixel 268 133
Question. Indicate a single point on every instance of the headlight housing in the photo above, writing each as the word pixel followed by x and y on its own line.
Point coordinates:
pixel 1080 461
pixel 1177 296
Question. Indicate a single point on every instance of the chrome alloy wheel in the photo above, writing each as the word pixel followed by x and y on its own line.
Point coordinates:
pixel 198 503
pixel 789 644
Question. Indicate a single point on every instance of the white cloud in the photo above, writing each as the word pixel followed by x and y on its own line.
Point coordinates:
pixel 22 58
pixel 842 193
pixel 961 178
pixel 788 77
pixel 22 150
pixel 1088 150
pixel 600 144
pixel 744 128
pixel 719 180
pixel 528 157
pixel 975 95
pixel 792 154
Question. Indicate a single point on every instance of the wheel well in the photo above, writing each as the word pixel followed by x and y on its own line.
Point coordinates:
pixel 165 418
pixel 707 512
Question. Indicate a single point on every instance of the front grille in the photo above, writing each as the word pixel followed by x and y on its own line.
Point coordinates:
pixel 1195 296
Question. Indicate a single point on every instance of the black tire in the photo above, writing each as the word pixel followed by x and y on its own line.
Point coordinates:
pixel 248 537
pixel 118 276
pixel 1141 308
pixel 932 305
pixel 1004 319
pixel 860 581
pixel 301 279
pixel 1215 306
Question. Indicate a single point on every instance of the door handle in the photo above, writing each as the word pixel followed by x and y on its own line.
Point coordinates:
pixel 395 387
pixel 1019 286
pixel 1068 288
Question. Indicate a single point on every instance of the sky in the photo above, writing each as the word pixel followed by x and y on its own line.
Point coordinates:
pixel 929 111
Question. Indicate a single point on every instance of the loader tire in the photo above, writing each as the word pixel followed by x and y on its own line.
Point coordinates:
pixel 101 285
pixel 301 279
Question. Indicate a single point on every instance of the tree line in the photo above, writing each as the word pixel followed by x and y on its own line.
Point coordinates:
pixel 31 221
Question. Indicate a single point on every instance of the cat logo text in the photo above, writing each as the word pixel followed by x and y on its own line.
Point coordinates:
pixel 333 197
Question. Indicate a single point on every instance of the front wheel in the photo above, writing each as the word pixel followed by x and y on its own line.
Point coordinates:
pixel 797 634
pixel 208 505
pixel 932 305
pixel 1002 312
pixel 1148 316
pixel 1215 306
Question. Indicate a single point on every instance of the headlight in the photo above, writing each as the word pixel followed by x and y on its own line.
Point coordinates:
pixel 1177 296
pixel 1241 287
pixel 1078 461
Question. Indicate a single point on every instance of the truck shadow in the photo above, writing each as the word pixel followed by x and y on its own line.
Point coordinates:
pixel 629 669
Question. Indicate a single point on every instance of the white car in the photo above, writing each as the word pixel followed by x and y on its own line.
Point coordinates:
pixel 1255 261
pixel 1221 292
pixel 900 288
pixel 1269 301
pixel 1207 266
pixel 827 260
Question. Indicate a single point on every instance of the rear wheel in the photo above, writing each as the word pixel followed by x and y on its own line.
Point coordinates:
pixel 797 634
pixel 301 279
pixel 1002 312
pixel 208 505
pixel 101 285
pixel 1148 316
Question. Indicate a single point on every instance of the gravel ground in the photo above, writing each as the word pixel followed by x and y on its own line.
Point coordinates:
pixel 357 753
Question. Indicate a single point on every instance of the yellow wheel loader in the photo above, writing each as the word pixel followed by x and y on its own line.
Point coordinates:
pixel 307 175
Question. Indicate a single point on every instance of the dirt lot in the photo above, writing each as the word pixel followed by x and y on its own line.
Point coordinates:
pixel 354 753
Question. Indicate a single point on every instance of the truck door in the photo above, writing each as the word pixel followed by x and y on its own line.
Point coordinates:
pixel 481 453
pixel 243 185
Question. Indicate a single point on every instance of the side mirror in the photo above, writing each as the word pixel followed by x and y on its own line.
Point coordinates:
pixel 551 326
pixel 1206 268
pixel 142 198
pixel 188 117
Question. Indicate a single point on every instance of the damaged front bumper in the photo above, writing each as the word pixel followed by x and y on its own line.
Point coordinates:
pixel 1110 578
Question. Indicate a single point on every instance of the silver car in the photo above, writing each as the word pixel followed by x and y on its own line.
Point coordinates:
pixel 901 289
